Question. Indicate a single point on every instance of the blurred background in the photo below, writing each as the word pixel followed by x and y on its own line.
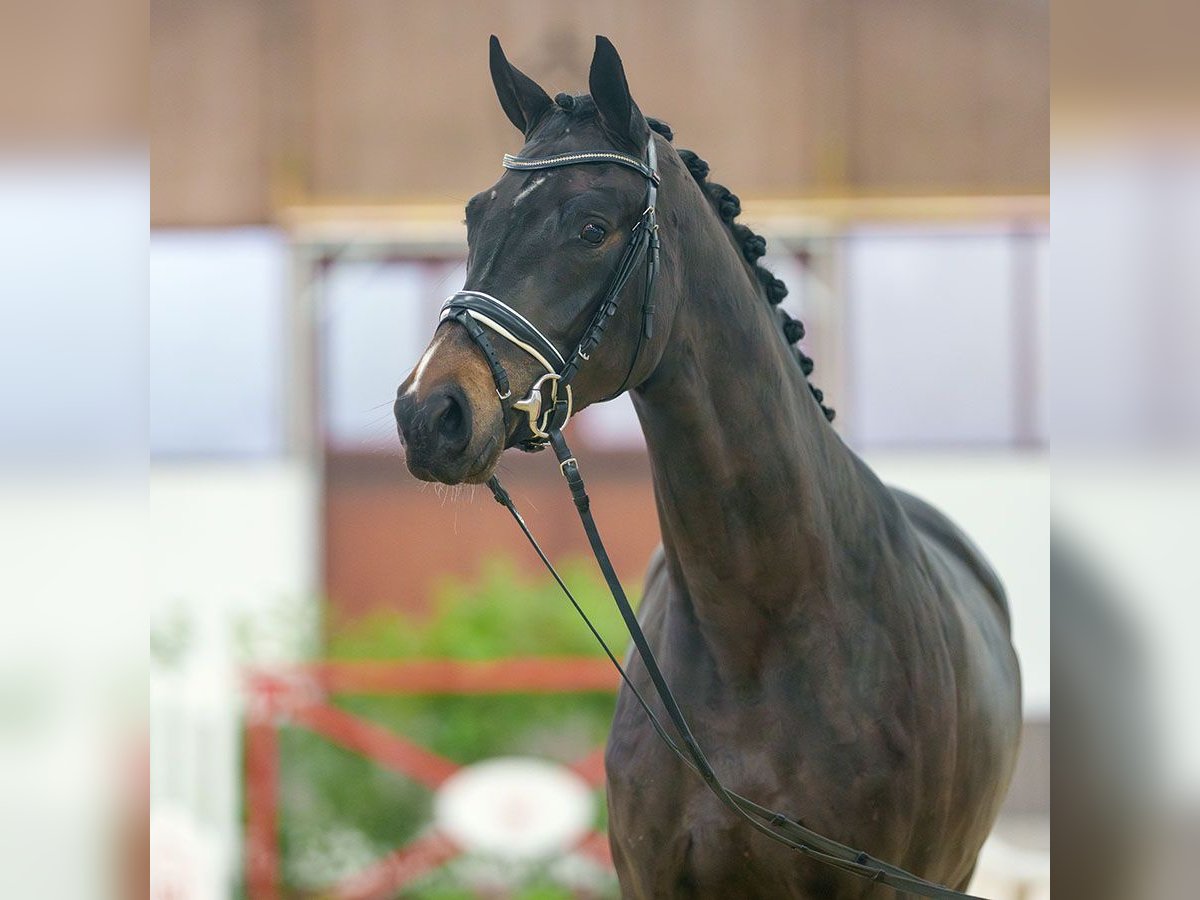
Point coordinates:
pixel 310 164
pixel 321 667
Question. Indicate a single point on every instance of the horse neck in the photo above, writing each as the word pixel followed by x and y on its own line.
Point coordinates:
pixel 756 494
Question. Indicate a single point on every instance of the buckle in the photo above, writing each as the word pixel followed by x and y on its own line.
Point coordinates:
pixel 533 405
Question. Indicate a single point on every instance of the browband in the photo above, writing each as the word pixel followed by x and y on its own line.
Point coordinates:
pixel 522 163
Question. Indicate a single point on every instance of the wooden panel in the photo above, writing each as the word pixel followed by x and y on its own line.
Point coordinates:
pixel 372 504
pixel 208 135
pixel 72 74
pixel 256 103
pixel 404 104
pixel 949 97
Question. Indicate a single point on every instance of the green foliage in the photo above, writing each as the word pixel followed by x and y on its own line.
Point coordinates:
pixel 501 615
pixel 340 811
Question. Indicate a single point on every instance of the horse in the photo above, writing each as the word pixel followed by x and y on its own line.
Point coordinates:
pixel 842 650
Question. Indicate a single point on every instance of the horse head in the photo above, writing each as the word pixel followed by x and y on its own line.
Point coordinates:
pixel 544 244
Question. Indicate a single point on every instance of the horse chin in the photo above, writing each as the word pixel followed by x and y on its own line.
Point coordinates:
pixel 482 470
pixel 481 466
pixel 472 469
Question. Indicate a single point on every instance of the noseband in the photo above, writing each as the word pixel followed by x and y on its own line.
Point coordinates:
pixel 550 402
pixel 480 313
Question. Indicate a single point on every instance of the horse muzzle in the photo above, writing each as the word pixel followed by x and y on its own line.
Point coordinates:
pixel 438 434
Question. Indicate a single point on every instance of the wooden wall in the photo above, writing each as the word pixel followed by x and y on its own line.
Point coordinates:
pixel 257 102
pixel 390 541
pixel 72 76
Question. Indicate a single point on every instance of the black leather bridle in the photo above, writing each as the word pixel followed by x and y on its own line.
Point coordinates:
pixel 548 406
pixel 550 402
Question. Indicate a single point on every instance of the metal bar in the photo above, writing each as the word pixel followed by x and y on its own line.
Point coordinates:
pixel 262 807
pixel 595 847
pixel 508 676
pixel 591 767
pixel 290 692
pixel 376 743
pixel 398 869
pixel 424 229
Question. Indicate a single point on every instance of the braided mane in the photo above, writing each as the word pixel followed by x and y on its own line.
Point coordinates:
pixel 753 247
pixel 728 207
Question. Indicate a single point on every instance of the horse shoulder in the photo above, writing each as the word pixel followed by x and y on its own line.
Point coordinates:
pixel 936 529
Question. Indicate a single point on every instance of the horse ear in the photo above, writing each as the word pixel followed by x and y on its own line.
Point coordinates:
pixel 618 114
pixel 523 101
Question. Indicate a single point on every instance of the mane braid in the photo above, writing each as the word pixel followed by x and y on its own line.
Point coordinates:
pixel 753 247
pixel 581 107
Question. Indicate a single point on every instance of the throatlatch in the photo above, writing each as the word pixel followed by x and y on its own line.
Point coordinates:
pixel 548 406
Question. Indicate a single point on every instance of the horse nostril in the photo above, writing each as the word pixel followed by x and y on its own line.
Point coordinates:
pixel 402 410
pixel 451 420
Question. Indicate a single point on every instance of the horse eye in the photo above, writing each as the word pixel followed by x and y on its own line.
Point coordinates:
pixel 592 233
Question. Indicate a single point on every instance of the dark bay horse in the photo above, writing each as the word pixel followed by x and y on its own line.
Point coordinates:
pixel 842 650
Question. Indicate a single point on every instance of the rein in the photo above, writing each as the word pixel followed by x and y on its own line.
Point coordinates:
pixel 548 406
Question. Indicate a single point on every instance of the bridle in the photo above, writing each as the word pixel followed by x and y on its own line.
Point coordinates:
pixel 548 406
pixel 550 402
